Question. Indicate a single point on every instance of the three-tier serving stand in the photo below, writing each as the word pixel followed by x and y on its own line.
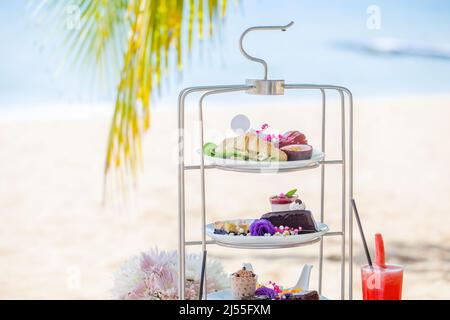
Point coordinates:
pixel 266 86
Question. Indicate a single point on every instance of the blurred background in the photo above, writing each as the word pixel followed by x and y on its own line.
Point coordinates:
pixel 57 240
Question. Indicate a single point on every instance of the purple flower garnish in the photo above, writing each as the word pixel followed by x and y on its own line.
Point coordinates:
pixel 288 295
pixel 261 227
pixel 264 291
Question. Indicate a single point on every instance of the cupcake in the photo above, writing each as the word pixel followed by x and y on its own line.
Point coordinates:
pixel 243 284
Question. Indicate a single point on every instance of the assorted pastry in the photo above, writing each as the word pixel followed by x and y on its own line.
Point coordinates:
pixel 244 286
pixel 288 217
pixel 259 145
pixel 273 291
pixel 281 223
pixel 232 229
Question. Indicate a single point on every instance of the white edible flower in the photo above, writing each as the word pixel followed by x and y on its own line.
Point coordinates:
pixel 297 206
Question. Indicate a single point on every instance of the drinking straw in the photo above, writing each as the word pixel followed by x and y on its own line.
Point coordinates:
pixel 366 249
pixel 202 276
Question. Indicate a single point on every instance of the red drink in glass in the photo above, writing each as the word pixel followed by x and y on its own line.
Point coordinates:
pixel 382 283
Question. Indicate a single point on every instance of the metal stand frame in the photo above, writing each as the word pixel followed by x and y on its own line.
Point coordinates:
pixel 273 87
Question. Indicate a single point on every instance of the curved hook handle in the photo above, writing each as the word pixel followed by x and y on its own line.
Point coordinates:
pixel 251 58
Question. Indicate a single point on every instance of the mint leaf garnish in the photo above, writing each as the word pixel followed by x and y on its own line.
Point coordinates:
pixel 290 193
pixel 209 148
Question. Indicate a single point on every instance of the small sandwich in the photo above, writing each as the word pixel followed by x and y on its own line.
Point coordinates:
pixel 249 146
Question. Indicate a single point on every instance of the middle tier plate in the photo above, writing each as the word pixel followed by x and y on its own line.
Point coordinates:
pixel 265 166
pixel 261 242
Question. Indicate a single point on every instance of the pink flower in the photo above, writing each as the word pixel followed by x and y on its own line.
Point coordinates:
pixel 154 275
pixel 264 126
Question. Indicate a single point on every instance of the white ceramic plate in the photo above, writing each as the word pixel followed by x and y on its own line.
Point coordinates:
pixel 265 166
pixel 252 242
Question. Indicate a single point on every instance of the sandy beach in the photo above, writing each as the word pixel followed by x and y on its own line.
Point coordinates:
pixel 57 241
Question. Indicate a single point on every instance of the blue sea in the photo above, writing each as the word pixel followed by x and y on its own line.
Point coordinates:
pixel 331 42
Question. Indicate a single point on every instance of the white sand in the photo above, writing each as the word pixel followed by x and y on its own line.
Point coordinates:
pixel 57 241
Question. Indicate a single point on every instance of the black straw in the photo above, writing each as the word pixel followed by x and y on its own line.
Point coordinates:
pixel 366 249
pixel 202 276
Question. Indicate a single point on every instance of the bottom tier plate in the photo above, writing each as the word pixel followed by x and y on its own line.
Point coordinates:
pixel 227 294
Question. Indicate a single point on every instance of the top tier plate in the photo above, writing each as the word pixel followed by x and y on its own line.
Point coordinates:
pixel 266 166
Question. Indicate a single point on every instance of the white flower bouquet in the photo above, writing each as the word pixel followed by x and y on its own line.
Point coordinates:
pixel 153 275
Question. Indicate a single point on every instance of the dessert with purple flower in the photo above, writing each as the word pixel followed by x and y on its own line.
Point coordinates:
pixel 244 286
pixel 274 291
pixel 282 223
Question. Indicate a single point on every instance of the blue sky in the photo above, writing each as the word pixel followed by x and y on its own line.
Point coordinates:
pixel 306 53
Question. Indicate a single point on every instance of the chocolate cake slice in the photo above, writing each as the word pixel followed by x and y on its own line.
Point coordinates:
pixel 305 295
pixel 301 296
pixel 292 219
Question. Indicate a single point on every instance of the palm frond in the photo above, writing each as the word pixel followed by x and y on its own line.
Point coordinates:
pixel 95 32
pixel 156 26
